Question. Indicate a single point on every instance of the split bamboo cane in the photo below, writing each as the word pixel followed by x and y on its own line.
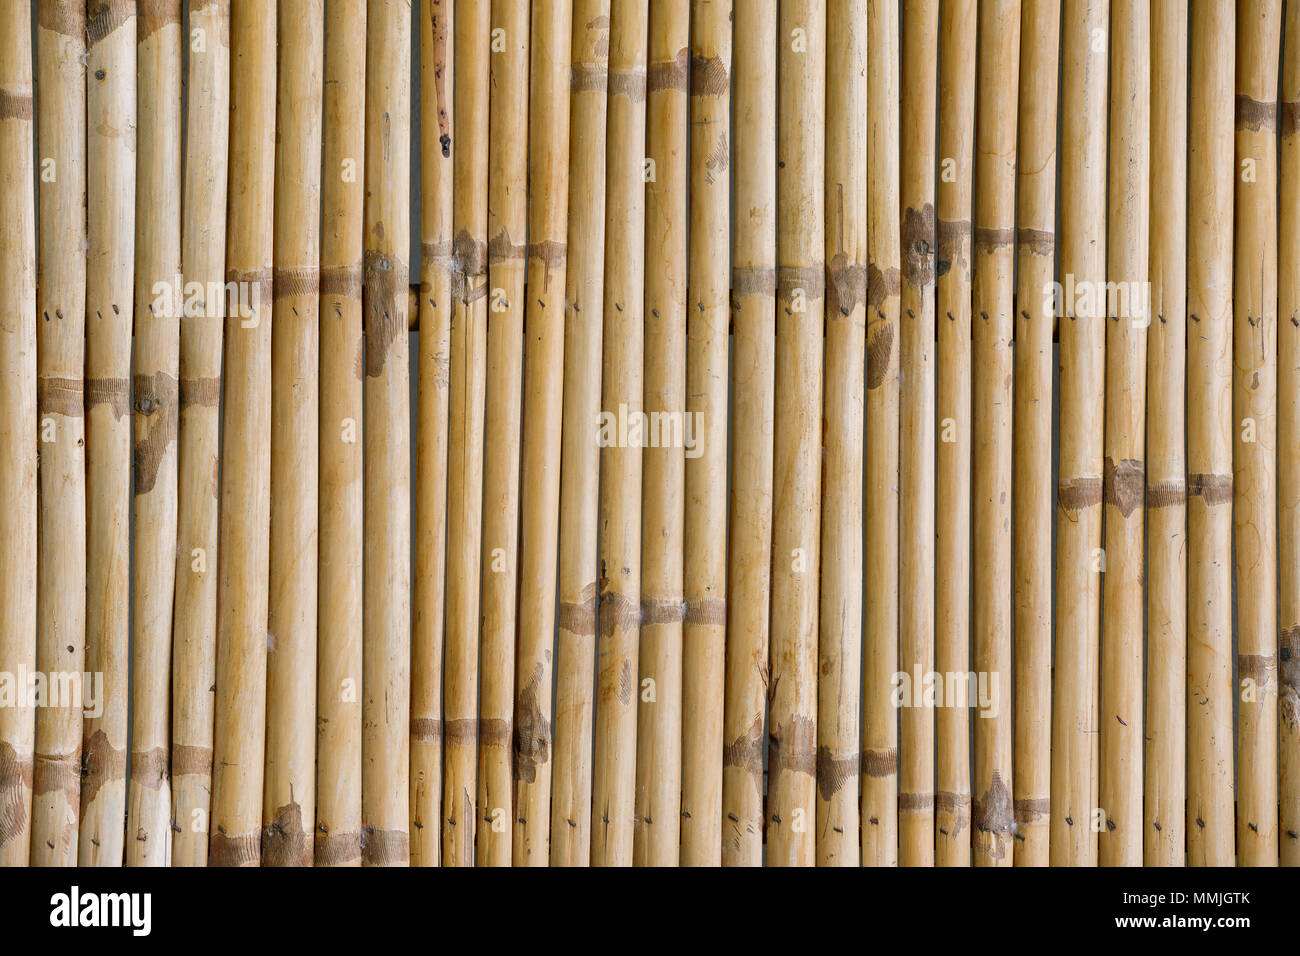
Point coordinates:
pixel 957 46
pixel 548 185
pixel 18 442
pixel 1166 468
pixel 61 303
pixel 1259 36
pixel 1124 482
pixel 1079 491
pixel 1032 451
pixel 659 718
pixel 110 277
pixel 386 668
pixel 506 223
pixel 242 590
pixel 994 325
pixel 920 27
pixel 839 706
pixel 203 259
pixel 613 782
pixel 879 713
pixel 580 454
pixel 753 376
pixel 1209 436
pixel 465 433
pixel 434 309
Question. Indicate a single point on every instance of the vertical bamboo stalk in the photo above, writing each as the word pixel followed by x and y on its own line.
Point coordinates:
pixel 1083 353
pixel 435 308
pixel 659 718
pixel 548 185
pixel 18 442
pixel 1166 482
pixel 61 303
pixel 342 499
pixel 1032 449
pixel 465 432
pixel 619 585
pixel 1123 482
pixel 242 591
pixel 203 260
pixel 707 327
pixel 1255 427
pixel 1209 436
pixel 957 44
pixel 749 548
pixel 920 26
pixel 289 787
pixel 580 455
pixel 386 668
pixel 879 714
pixel 110 276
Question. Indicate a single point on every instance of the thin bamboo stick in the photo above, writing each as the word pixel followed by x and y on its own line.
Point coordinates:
pixel 1166 482
pixel 957 44
pixel 203 259
pixel 707 322
pixel 580 455
pixel 386 667
pixel 465 434
pixel 242 590
pixel 506 223
pixel 613 782
pixel 659 718
pixel 879 715
pixel 1209 436
pixel 18 442
pixel 749 548
pixel 548 184
pixel 920 26
pixel 61 303
pixel 1123 482
pixel 342 499
pixel 1032 451
pixel 1255 424
pixel 110 277
pixel 434 310
pixel 1083 349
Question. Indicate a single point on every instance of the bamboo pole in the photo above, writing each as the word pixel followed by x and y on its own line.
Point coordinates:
pixel 1209 436
pixel 289 787
pixel 957 44
pixel 203 258
pixel 749 547
pixel 920 28
pixel 465 433
pixel 506 223
pixel 707 326
pixel 18 405
pixel 548 184
pixel 434 309
pixel 1255 426
pixel 659 718
pixel 879 715
pixel 580 455
pixel 1083 349
pixel 242 589
pixel 61 303
pixel 613 782
pixel 1032 448
pixel 386 667
pixel 110 276
pixel 1166 483
pixel 1123 482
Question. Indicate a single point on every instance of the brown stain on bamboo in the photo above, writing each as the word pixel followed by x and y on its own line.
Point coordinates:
pixel 113 392
pixel 918 246
pixel 385 847
pixel 671 74
pixel 532 731
pixel 1123 485
pixel 15 105
pixel 833 772
pixel 155 400
pixel 746 752
pixel 1255 115
pixel 709 76
pixel 439 30
pixel 153 15
pixel 993 813
pixel 846 284
pixel 226 850
pixel 15 780
pixel 101 763
pixel 383 301
pixel 336 849
pixel 792 747
pixel 66 17
pixel 57 773
pixel 188 759
pixel 1075 495
pixel 150 767
pixel 60 396
pixel 880 352
pixel 1213 490
pixel 284 841
pixel 953 240
pixel 200 392
pixel 880 763
pixel 104 17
